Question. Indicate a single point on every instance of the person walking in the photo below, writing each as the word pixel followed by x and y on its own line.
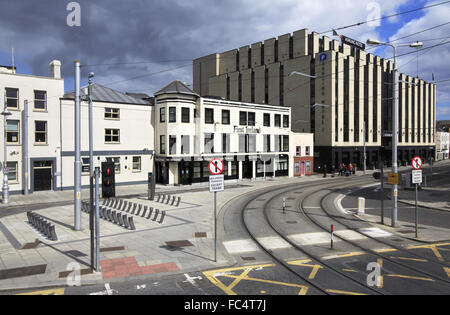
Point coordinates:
pixel 325 171
pixel 350 167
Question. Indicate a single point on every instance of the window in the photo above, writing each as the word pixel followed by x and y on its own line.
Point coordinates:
pixel 112 113
pixel 297 167
pixel 12 131
pixel 243 118
pixel 40 100
pixel 225 143
pixel 266 143
pixel 266 120
pixel 307 151
pixel 12 98
pixel 172 114
pixel 137 164
pixel 251 119
pixel 251 143
pixel 12 171
pixel 173 144
pixel 277 120
pixel 112 136
pixel 185 114
pixel 185 145
pixel 116 161
pixel 225 117
pixel 298 151
pixel 85 165
pixel 308 166
pixel 40 134
pixel 285 143
pixel 285 121
pixel 242 144
pixel 162 114
pixel 162 144
pixel 209 116
pixel 209 143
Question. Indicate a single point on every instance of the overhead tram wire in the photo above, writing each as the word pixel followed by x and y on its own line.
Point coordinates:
pixel 386 17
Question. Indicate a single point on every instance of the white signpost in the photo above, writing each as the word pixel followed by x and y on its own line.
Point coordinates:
pixel 216 183
pixel 417 163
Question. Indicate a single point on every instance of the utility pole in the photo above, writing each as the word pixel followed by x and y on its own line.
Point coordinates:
pixel 25 148
pixel 77 163
pixel 91 173
pixel 395 144
pixel 5 188
pixel 365 157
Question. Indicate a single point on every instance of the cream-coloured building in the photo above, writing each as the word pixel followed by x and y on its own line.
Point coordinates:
pixel 252 139
pixel 123 133
pixel 43 121
pixel 340 93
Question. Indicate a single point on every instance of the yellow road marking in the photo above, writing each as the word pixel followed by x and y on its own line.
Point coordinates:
pixel 315 268
pixel 412 259
pixel 447 270
pixel 46 292
pixel 344 292
pixel 433 247
pixel 385 250
pixel 380 280
pixel 213 275
pixel 349 270
pixel 410 277
pixel 352 254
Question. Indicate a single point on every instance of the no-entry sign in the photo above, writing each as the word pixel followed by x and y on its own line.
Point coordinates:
pixel 216 166
pixel 417 163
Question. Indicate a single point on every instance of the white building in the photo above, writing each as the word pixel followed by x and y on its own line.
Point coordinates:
pixel 44 142
pixel 123 133
pixel 252 139
pixel 442 145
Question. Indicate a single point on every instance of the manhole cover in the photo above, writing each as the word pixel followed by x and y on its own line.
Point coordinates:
pixel 200 234
pixel 22 272
pixel 179 244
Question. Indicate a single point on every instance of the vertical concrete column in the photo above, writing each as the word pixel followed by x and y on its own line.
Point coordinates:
pixel 253 170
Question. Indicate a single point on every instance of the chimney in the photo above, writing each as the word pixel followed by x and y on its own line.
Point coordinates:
pixel 55 69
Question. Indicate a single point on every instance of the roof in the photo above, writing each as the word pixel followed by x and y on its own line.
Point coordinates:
pixel 176 87
pixel 102 93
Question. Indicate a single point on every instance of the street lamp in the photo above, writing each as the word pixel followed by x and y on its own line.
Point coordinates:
pixel 302 74
pixel 395 123
pixel 5 188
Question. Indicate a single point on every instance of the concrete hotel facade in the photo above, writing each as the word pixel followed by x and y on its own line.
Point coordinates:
pixel 354 86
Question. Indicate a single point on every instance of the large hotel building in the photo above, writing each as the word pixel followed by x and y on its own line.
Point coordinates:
pixel 342 94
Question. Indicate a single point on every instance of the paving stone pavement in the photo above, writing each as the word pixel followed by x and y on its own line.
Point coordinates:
pixel 183 242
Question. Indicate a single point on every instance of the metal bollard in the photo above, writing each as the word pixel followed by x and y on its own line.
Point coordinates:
pixel 361 205
pixel 284 205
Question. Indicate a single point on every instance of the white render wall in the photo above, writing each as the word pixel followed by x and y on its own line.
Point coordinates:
pixel 136 139
pixel 26 85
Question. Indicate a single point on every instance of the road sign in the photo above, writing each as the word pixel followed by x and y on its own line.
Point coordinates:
pixel 216 183
pixel 393 178
pixel 323 57
pixel 417 177
pixel 216 166
pixel 417 163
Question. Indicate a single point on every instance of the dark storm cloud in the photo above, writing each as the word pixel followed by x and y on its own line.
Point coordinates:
pixel 166 32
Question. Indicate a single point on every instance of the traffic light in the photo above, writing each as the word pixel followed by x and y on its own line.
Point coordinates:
pixel 108 180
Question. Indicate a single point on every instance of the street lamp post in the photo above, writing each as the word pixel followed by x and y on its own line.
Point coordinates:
pixel 394 126
pixel 5 188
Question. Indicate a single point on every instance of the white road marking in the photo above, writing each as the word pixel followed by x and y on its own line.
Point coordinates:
pixel 241 246
pixel 375 232
pixel 310 238
pixel 273 242
pixel 191 280
pixel 108 291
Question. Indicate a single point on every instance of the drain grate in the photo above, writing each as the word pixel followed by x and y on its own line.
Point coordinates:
pixel 248 258
pixel 30 245
pixel 75 253
pixel 291 198
pixel 200 234
pixel 22 272
pixel 291 222
pixel 112 249
pixel 179 244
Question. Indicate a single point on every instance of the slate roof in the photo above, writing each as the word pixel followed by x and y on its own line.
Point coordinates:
pixel 176 87
pixel 102 93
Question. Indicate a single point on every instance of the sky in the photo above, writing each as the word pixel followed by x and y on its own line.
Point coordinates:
pixel 143 45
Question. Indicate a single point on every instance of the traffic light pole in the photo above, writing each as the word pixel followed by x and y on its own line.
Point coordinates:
pixel 77 163
pixel 91 174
